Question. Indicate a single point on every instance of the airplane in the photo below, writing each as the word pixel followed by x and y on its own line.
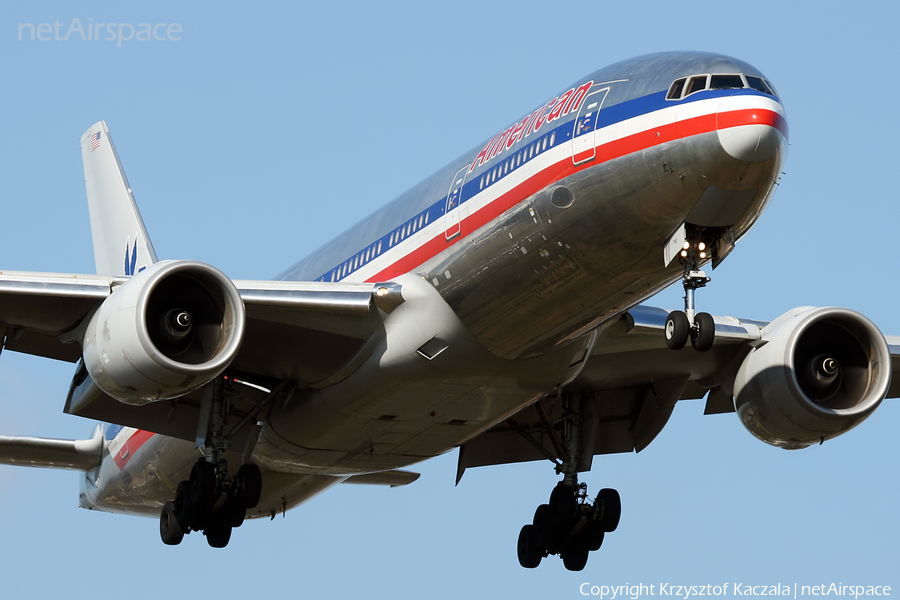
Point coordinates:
pixel 495 308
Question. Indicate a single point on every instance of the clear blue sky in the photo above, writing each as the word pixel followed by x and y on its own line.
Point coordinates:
pixel 264 131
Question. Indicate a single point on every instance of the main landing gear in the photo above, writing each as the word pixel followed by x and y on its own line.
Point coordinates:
pixel 210 501
pixel 699 327
pixel 569 525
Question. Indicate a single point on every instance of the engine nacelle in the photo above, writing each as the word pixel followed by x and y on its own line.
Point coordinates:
pixel 820 372
pixel 164 333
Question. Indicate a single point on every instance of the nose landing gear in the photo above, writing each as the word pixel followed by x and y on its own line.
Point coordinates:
pixel 569 525
pixel 699 327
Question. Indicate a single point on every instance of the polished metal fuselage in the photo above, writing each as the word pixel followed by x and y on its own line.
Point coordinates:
pixel 540 274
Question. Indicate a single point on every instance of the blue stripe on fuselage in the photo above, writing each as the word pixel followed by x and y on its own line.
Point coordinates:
pixel 609 115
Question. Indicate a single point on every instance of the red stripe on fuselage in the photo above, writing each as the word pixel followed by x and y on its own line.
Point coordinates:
pixel 564 168
pixel 131 445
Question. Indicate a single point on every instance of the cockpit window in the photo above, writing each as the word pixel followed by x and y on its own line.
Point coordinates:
pixel 725 82
pixel 681 88
pixel 760 85
pixel 676 89
pixel 697 84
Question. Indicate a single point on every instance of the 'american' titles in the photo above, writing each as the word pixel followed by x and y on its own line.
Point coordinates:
pixel 554 109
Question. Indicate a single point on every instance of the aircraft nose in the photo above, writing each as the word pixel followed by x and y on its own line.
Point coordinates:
pixel 749 133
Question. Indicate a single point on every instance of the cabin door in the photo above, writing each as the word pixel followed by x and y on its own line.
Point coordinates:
pixel 583 142
pixel 454 199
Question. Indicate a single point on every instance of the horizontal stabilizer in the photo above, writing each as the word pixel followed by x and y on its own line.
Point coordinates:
pixel 77 455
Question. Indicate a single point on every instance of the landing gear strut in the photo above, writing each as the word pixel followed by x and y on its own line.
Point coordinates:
pixel 699 327
pixel 210 501
pixel 569 525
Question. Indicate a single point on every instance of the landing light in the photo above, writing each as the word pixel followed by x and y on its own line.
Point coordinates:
pixel 701 246
pixel 382 291
pixel 687 245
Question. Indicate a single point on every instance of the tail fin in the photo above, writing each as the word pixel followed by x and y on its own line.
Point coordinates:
pixel 121 243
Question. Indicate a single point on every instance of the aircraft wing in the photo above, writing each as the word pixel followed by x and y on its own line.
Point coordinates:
pixel 287 322
pixel 302 332
pixel 632 382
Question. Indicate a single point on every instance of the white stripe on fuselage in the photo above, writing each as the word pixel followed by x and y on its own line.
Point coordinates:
pixel 548 158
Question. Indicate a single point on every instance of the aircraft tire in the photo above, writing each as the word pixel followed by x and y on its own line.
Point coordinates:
pixel 202 484
pixel 576 558
pixel 592 535
pixel 560 517
pixel 251 483
pixel 541 526
pixel 184 510
pixel 170 529
pixel 677 330
pixel 234 512
pixel 612 509
pixel 702 339
pixel 218 534
pixel 529 554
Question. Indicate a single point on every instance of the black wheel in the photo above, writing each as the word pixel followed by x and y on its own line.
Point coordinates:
pixel 561 516
pixel 169 528
pixel 233 512
pixel 542 526
pixel 202 484
pixel 592 536
pixel 250 481
pixel 184 508
pixel 218 534
pixel 677 330
pixel 611 504
pixel 575 559
pixel 702 338
pixel 529 554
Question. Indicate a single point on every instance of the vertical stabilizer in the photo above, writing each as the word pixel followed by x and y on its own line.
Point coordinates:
pixel 121 243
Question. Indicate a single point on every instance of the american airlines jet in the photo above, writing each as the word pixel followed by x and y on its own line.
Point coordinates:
pixel 495 308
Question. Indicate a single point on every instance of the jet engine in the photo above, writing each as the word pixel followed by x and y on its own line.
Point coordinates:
pixel 164 332
pixel 815 374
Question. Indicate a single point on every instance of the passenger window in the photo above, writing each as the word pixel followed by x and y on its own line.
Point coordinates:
pixel 379 247
pixel 481 185
pixel 676 89
pixel 725 82
pixel 697 84
pixel 759 85
pixel 552 138
pixel 545 144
